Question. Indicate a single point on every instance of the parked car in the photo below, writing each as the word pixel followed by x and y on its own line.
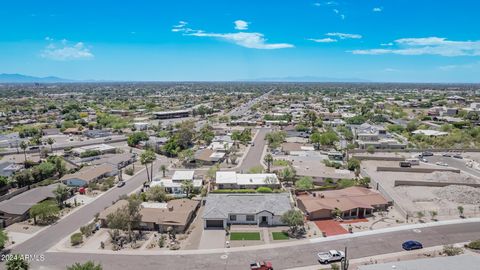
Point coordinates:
pixel 120 184
pixel 427 154
pixel 108 139
pixel 424 160
pixel 411 245
pixel 330 256
pixel 405 164
pixel 458 156
pixel 261 266
pixel 442 164
pixel 447 155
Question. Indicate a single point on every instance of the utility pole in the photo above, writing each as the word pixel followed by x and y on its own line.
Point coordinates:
pixel 345 263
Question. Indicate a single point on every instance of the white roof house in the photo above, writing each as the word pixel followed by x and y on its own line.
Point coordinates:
pixel 250 179
pixel 182 175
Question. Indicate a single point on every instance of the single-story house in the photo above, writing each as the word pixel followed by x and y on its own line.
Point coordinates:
pixel 208 156
pixel 17 208
pixel 233 180
pixel 102 148
pixel 118 160
pixel 353 202
pixel 89 174
pixel 174 185
pixel 260 209
pixel 159 216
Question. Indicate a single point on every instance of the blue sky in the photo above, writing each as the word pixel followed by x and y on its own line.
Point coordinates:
pixel 377 40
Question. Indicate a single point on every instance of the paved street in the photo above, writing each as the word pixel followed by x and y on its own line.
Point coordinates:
pixel 454 163
pixel 282 258
pixel 245 108
pixel 69 224
pixel 254 156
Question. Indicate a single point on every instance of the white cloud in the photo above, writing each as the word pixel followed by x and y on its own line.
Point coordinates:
pixel 248 40
pixel 387 44
pixel 377 9
pixel 344 35
pixel 390 70
pixel 323 40
pixel 428 46
pixel 241 25
pixel 65 51
pixel 336 11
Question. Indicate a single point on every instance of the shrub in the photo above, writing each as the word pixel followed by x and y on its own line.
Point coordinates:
pixel 264 190
pixel 129 171
pixel 450 250
pixel 474 245
pixel 76 239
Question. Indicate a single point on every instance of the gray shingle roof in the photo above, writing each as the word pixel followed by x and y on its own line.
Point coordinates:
pixel 21 203
pixel 219 206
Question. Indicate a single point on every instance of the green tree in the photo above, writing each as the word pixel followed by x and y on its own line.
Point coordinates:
pixel 275 138
pixel 156 193
pixel 268 159
pixel 206 134
pixel 187 187
pixel 86 266
pixel 61 194
pixel 45 211
pixel 353 164
pixel 17 262
pixel 24 146
pixel 3 238
pixel 293 219
pixel 288 174
pixel 186 156
pixel 460 210
pixel 163 168
pixel 316 139
pixel 50 141
pixel 304 183
pixel 136 138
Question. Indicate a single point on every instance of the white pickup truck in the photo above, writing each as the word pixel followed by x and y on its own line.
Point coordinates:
pixel 330 256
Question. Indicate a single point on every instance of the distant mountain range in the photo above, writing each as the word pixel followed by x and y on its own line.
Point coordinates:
pixel 306 79
pixel 20 78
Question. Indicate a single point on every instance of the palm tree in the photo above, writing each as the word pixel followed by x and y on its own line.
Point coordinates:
pixel 146 158
pixel 187 187
pixel 16 262
pixel 268 159
pixel 50 142
pixel 163 168
pixel 24 147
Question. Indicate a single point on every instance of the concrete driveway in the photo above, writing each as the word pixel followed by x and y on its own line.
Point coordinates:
pixel 212 238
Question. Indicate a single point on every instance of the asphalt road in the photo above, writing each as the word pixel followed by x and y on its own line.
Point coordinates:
pixel 67 225
pixel 454 163
pixel 282 258
pixel 245 108
pixel 254 155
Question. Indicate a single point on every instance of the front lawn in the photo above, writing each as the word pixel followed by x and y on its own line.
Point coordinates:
pixel 245 236
pixel 280 236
